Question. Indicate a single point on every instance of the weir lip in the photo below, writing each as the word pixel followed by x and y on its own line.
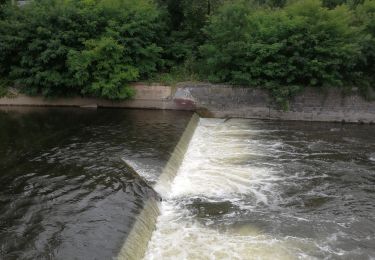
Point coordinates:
pixel 135 245
pixel 144 181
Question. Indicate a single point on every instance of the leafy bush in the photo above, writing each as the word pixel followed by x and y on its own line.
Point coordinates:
pixel 97 47
pixel 99 70
pixel 282 50
pixel 37 40
pixel 185 20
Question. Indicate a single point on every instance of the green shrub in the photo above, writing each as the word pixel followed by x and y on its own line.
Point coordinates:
pixel 185 20
pixel 100 71
pixel 282 50
pixel 97 47
pixel 37 39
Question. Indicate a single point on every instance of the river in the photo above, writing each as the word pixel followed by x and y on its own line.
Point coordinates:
pixel 76 184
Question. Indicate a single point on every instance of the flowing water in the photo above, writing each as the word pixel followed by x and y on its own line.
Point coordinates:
pixel 250 189
pixel 65 190
pixel 137 240
pixel 83 184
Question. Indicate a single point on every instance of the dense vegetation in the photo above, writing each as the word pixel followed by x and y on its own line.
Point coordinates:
pixel 97 47
pixel 63 47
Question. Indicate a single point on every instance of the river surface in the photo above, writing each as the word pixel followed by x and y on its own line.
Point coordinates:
pixel 65 191
pixel 245 189
pixel 251 189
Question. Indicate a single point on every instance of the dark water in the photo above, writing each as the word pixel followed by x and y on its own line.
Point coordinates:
pixel 65 192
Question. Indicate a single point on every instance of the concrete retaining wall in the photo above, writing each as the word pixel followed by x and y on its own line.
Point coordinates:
pixel 227 101
pixel 150 97
pixel 311 105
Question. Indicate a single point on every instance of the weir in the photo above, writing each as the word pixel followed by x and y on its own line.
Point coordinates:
pixel 200 219
pixel 248 189
pixel 206 186
pixel 137 240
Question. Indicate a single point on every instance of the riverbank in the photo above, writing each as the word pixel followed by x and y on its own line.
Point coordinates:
pixel 224 101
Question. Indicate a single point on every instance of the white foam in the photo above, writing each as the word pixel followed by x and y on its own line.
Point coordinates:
pixel 215 165
pixel 219 165
pixel 179 237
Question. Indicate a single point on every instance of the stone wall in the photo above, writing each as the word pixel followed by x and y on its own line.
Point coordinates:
pixel 227 101
pixel 311 105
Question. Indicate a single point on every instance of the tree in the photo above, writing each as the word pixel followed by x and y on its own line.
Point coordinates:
pixel 46 44
pixel 100 70
pixel 282 50
pixel 186 20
